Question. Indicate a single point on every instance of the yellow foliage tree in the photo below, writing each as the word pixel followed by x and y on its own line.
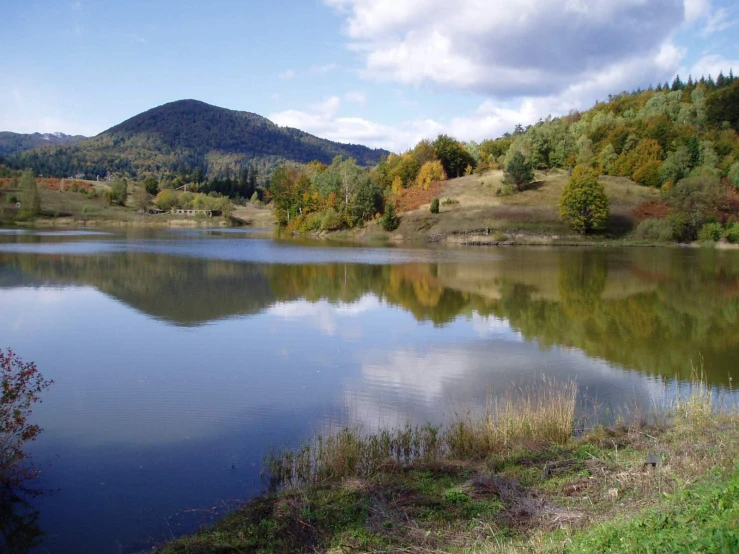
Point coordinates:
pixel 430 172
pixel 397 185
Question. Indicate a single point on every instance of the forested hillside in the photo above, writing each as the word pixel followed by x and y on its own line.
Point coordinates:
pixel 15 143
pixel 190 138
pixel 679 138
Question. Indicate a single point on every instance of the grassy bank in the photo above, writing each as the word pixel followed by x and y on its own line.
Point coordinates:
pixel 511 479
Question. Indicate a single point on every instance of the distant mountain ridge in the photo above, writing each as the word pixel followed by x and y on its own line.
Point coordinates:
pixel 186 135
pixel 15 143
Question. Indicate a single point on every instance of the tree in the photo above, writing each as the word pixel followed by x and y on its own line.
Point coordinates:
pixel 584 203
pixel 693 201
pixel 519 171
pixel 434 208
pixel 21 385
pixel 152 186
pixel 142 198
pixel 430 172
pixel 453 155
pixel 30 200
pixel 119 192
pixel 390 219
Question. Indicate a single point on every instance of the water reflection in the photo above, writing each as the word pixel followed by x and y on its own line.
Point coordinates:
pixel 19 528
pixel 179 356
pixel 650 310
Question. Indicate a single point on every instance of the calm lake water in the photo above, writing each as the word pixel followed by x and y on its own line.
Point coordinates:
pixel 179 357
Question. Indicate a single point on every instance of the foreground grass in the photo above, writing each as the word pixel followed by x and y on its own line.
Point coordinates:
pixel 509 486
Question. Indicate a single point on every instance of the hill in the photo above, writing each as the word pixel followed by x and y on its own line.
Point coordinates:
pixel 189 136
pixel 15 143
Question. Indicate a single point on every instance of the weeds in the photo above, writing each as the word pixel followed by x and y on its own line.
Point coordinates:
pixel 543 413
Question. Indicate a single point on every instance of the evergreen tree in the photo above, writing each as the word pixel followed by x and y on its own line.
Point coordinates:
pixel 519 171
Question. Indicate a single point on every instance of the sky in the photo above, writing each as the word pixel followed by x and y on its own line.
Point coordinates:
pixel 384 73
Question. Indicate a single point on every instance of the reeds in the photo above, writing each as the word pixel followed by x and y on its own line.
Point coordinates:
pixel 543 413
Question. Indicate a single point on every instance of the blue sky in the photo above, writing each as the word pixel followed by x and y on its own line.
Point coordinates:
pixel 378 72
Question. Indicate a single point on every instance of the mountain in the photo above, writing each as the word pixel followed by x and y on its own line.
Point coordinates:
pixel 15 143
pixel 187 135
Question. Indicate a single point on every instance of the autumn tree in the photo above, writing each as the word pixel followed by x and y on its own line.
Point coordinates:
pixel 21 385
pixel 430 172
pixel 584 203
pixel 519 171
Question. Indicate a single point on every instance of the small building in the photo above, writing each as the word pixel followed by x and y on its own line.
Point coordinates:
pixel 193 213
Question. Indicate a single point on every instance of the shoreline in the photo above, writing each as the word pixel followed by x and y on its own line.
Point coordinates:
pixel 625 487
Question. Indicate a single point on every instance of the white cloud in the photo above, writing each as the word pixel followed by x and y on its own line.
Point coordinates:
pixel 712 65
pixel 492 118
pixel 323 120
pixel 287 75
pixel 719 21
pixel 323 69
pixel 511 49
pixel 137 38
pixel 323 314
pixel 356 97
pixel 696 9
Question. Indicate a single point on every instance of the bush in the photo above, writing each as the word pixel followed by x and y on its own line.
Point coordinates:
pixel 434 209
pixel 450 201
pixel 331 220
pixel 734 175
pixel 682 230
pixel 695 199
pixel 390 219
pixel 659 230
pixel 732 233
pixel 710 232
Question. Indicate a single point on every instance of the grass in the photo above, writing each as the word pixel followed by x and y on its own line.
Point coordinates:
pixel 512 479
pixel 472 213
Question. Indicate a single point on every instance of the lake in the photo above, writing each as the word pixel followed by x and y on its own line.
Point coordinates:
pixel 181 356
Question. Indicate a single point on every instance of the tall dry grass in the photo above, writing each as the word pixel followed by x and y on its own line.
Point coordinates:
pixel 542 413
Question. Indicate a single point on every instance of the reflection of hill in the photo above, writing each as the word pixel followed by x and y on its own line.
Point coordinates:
pixel 653 310
pixel 185 291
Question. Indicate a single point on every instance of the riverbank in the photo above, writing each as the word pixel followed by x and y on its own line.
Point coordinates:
pixel 514 483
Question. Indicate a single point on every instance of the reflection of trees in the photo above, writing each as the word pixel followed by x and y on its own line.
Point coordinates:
pixel 19 529
pixel 186 291
pixel 653 310
pixel 658 332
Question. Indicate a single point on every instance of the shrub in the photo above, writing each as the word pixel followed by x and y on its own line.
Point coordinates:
pixel 584 203
pixel 331 220
pixel 732 233
pixel 450 201
pixel 710 232
pixel 434 209
pixel 696 199
pixel 682 230
pixel 734 175
pixel 654 229
pixel 390 220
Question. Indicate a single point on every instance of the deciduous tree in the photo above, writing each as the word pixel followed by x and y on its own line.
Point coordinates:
pixel 584 203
